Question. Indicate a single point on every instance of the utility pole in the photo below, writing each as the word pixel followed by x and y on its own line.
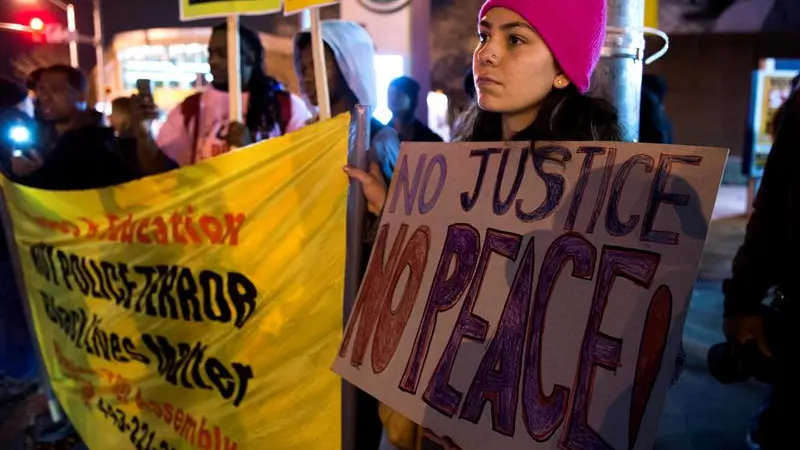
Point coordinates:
pixel 73 43
pixel 618 77
pixel 99 50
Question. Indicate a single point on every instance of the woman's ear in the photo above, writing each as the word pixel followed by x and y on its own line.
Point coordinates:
pixel 560 81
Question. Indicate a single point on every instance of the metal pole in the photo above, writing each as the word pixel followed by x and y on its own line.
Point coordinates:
pixel 100 67
pixel 356 208
pixel 15 27
pixel 73 33
pixel 618 76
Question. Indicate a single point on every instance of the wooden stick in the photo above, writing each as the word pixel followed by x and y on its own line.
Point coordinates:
pixel 320 72
pixel 234 72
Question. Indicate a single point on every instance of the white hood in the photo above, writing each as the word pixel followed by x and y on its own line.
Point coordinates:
pixel 355 55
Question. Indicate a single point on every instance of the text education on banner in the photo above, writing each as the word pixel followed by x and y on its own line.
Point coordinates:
pixel 207 9
pixel 198 308
pixel 523 299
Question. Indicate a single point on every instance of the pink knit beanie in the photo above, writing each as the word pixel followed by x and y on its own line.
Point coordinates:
pixel 574 31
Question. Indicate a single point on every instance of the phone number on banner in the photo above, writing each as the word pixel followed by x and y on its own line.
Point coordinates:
pixel 142 437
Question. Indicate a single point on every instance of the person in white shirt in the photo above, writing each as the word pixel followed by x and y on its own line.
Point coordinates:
pixel 200 127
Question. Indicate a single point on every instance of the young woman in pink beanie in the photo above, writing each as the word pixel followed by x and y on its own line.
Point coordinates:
pixel 532 70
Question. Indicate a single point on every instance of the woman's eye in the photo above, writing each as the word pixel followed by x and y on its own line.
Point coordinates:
pixel 483 37
pixel 515 40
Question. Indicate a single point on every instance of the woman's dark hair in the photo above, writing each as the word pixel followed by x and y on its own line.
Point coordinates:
pixel 565 115
pixel 263 107
pixel 469 85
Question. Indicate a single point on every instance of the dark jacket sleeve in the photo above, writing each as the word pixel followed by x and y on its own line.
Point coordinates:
pixel 761 260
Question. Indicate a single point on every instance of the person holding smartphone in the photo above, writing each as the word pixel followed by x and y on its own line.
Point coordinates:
pixel 69 148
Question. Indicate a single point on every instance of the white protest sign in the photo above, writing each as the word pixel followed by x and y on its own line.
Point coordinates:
pixel 520 299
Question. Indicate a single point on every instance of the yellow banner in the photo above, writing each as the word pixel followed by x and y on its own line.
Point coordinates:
pixel 293 6
pixel 205 9
pixel 197 309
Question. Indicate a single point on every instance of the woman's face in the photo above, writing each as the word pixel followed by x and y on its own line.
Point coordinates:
pixel 513 67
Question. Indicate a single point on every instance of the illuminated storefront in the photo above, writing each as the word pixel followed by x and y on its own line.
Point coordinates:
pixel 176 62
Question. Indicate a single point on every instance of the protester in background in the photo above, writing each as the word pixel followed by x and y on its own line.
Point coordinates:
pixel 199 127
pixel 73 150
pixel 403 97
pixel 120 117
pixel 18 366
pixel 654 124
pixel 532 68
pixel 763 262
pixel 133 133
pixel 350 67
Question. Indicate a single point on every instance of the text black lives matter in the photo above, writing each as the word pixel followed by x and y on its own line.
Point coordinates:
pixel 181 364
pixel 208 296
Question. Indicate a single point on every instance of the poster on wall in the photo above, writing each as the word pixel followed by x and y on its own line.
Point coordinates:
pixel 771 87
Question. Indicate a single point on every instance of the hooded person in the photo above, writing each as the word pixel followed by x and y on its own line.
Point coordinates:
pixel 403 98
pixel 350 65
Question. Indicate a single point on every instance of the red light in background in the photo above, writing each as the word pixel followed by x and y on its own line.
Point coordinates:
pixel 37 24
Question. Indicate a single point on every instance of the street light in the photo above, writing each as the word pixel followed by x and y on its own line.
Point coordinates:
pixel 37 24
pixel 73 43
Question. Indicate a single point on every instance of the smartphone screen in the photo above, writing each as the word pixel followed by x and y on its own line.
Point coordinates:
pixel 144 88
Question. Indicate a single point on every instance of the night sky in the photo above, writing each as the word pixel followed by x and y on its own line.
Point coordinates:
pixel 118 16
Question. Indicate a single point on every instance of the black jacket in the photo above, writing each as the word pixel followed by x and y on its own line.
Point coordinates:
pixel 420 133
pixel 86 157
pixel 768 257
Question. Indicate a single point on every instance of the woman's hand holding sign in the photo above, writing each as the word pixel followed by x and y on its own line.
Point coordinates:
pixel 373 183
